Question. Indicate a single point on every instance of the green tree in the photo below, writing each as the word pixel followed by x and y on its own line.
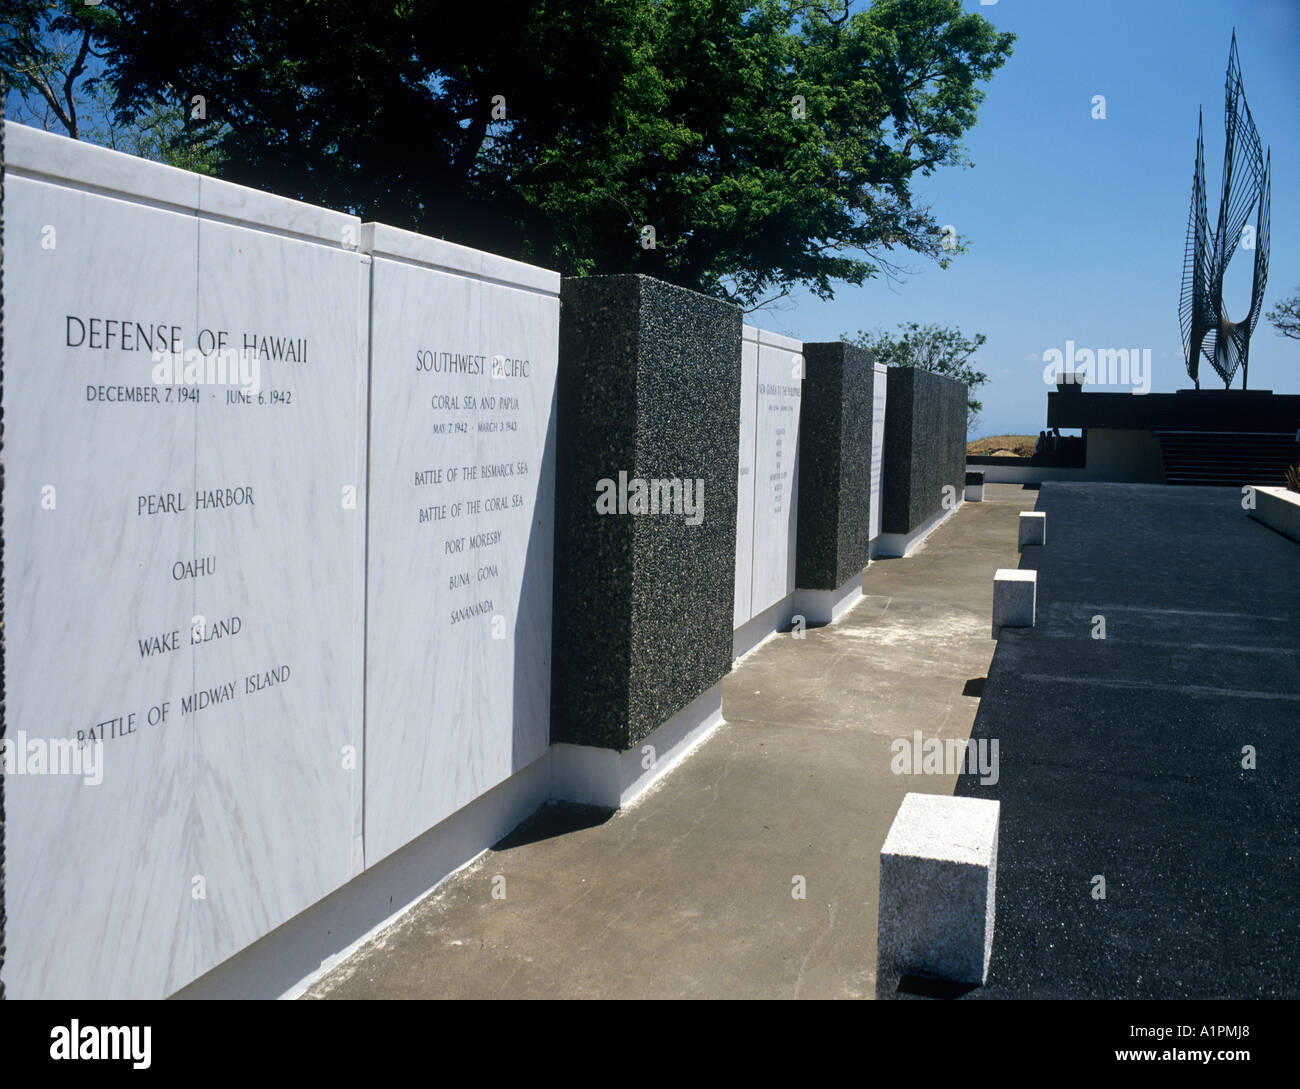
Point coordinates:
pixel 1285 317
pixel 769 144
pixel 932 348
pixel 51 71
pixel 44 53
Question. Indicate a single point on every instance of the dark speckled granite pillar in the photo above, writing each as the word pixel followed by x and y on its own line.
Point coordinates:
pixel 649 384
pixel 834 541
pixel 925 446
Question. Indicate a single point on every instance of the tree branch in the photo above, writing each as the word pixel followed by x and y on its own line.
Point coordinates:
pixel 47 92
pixel 74 73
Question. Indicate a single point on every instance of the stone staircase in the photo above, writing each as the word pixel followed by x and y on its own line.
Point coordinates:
pixel 1232 458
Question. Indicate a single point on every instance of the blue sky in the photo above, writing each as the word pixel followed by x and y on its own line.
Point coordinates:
pixel 1076 226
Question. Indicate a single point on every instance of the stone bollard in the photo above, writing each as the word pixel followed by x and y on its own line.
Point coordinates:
pixel 1033 527
pixel 938 874
pixel 1015 599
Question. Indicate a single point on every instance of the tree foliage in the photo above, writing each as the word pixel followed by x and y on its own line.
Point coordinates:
pixel 45 51
pixel 52 68
pixel 770 144
pixel 932 348
pixel 1285 317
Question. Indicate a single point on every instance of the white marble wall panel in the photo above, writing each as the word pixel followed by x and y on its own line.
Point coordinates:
pixel 459 591
pixel 96 876
pixel 278 804
pixel 218 817
pixel 877 444
pixel 98 169
pixel 776 500
pixel 745 476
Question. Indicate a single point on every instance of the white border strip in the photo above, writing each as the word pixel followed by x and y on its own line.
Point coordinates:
pixel 897 545
pixel 827 606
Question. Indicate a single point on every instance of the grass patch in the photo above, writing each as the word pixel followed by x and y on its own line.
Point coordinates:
pixel 1021 446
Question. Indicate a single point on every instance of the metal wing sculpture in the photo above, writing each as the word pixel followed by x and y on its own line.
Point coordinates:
pixel 1246 187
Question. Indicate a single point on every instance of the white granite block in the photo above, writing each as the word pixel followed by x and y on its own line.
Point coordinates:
pixel 1279 509
pixel 938 875
pixel 1015 598
pixel 1033 527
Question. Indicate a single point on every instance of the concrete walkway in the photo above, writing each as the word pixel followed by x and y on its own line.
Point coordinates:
pixel 689 892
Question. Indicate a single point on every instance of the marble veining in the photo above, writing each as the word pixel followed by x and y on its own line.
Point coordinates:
pixel 463 376
pixel 745 479
pixel 767 513
pixel 878 389
pixel 183 575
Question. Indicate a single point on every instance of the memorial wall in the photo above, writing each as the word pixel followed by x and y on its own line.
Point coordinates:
pixel 462 392
pixel 283 495
pixel 836 441
pixel 183 570
pixel 880 387
pixel 189 372
pixel 924 476
pixel 649 403
pixel 767 489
